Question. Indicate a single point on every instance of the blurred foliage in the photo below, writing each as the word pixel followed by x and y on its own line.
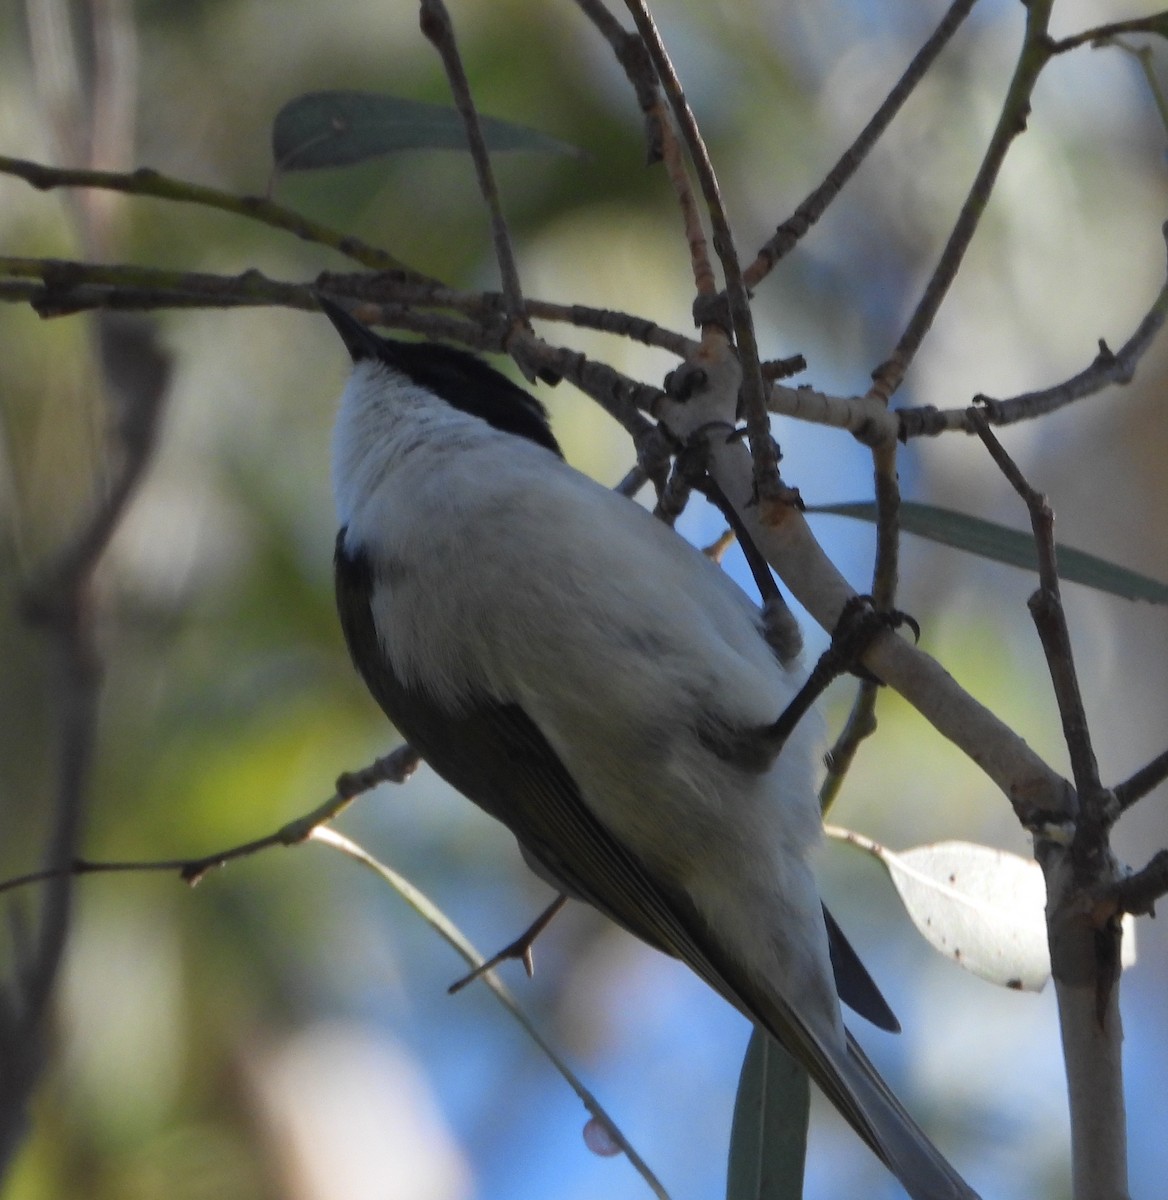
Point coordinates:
pixel 189 1057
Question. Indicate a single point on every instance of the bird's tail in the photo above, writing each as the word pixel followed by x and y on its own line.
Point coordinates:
pixel 856 1088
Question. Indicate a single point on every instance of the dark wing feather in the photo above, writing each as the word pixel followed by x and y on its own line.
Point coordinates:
pixel 857 989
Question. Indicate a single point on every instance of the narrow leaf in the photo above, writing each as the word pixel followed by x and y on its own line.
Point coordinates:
pixel 1011 546
pixel 984 908
pixel 442 925
pixel 334 129
pixel 768 1140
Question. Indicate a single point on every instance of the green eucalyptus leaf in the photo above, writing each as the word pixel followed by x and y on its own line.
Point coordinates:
pixel 335 129
pixel 768 1140
pixel 1011 546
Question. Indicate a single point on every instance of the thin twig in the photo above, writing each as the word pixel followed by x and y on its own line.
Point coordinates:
pixel 439 31
pixel 787 236
pixel 866 419
pixel 886 568
pixel 1141 783
pixel 147 182
pixel 395 767
pixel 635 57
pixel 72 286
pixel 783 368
pixel 861 724
pixel 1038 794
pixel 1050 620
pixel 437 920
pixel 1034 55
pixel 622 398
pixel 1109 368
pixel 705 285
pixel 1103 33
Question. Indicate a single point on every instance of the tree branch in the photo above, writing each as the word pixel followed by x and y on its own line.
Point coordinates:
pixel 1108 368
pixel 1084 941
pixel 764 452
pixel 1034 55
pixel 395 767
pixel 1138 893
pixel 135 374
pixel 147 182
pixel 1154 24
pixel 438 29
pixel 1038 794
pixel 1141 783
pixel 788 235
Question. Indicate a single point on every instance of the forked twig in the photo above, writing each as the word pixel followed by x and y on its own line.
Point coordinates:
pixel 764 452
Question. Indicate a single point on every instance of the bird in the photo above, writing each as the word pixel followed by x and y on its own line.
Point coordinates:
pixel 591 680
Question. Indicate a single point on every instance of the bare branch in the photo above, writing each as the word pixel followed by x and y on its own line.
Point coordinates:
pixel 861 724
pixel 1138 893
pixel 1103 33
pixel 788 235
pixel 1084 945
pixel 68 286
pixel 866 418
pixel 764 452
pixel 886 568
pixel 1034 55
pixel 633 56
pixel 1085 965
pixel 395 767
pixel 1039 795
pixel 1050 621
pixel 147 182
pixel 1109 368
pixel 439 31
pixel 1141 783
pixel 623 398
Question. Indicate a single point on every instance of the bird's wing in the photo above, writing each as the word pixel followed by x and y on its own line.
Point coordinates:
pixel 857 989
pixel 496 756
